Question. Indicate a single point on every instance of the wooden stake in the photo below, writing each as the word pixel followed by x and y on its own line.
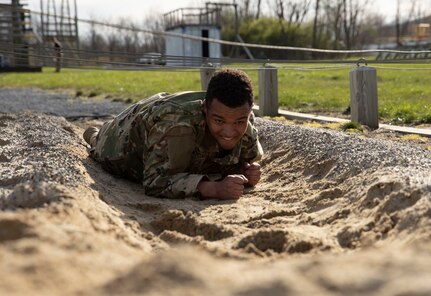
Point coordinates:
pixel 206 74
pixel 268 91
pixel 363 96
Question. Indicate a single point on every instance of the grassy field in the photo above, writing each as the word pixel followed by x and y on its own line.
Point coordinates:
pixel 404 95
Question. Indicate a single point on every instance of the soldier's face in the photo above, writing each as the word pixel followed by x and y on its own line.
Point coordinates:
pixel 227 125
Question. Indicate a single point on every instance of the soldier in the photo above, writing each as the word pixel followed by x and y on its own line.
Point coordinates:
pixel 187 143
pixel 58 51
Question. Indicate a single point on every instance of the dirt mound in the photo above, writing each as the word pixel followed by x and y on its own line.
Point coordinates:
pixel 334 214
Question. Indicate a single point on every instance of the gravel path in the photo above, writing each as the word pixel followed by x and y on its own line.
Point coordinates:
pixel 350 152
pixel 54 103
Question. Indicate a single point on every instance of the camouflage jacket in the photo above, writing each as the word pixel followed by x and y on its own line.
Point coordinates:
pixel 163 142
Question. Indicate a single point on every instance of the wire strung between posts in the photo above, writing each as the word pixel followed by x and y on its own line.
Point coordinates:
pixel 397 68
pixel 215 60
pixel 122 66
pixel 23 56
pixel 233 43
pixel 127 66
pixel 313 68
pixel 49 52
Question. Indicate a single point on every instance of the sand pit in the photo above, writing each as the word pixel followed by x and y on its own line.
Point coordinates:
pixel 335 214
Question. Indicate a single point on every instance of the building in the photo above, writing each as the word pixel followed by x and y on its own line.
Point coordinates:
pixel 200 22
pixel 16 38
pixel 24 49
pixel 415 34
pixel 421 32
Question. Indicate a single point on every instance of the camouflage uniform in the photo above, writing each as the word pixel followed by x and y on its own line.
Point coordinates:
pixel 163 142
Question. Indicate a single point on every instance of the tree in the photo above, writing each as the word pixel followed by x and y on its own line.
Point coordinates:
pixel 316 15
pixel 258 7
pixel 398 24
pixel 370 32
pixel 352 13
pixel 343 21
pixel 293 12
pixel 273 31
pixel 333 21
pixel 96 40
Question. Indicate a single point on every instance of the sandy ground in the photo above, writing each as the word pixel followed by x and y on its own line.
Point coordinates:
pixel 335 214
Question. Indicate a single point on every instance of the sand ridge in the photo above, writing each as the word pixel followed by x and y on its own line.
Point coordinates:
pixel 334 214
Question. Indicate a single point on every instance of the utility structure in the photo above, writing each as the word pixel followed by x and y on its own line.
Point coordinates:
pixel 59 23
pixel 200 22
pixel 16 37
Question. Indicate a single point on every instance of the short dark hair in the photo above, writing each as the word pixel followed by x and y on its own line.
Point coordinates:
pixel 231 87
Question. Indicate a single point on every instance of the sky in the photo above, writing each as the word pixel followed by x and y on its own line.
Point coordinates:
pixel 137 9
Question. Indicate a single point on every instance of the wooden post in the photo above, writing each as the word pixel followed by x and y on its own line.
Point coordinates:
pixel 206 73
pixel 268 91
pixel 363 96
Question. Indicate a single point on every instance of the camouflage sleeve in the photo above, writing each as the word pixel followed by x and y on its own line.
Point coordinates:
pixel 167 159
pixel 251 149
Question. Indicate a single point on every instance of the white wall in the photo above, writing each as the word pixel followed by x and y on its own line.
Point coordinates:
pixel 176 46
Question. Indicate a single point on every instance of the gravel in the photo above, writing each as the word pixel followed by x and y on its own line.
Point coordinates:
pixel 36 147
pixel 350 152
pixel 54 103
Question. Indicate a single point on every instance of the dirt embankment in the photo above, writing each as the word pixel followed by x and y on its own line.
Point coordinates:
pixel 334 214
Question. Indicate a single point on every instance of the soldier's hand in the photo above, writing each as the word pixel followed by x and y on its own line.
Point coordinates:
pixel 231 187
pixel 252 172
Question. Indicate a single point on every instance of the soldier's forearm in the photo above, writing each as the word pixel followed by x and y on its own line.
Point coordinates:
pixel 172 186
pixel 231 187
pixel 208 189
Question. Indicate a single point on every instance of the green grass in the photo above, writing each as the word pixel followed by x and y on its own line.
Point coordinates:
pixel 133 85
pixel 351 126
pixel 404 95
pixel 308 91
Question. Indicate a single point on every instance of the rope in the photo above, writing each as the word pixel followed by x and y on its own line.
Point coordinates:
pixel 49 52
pixel 130 66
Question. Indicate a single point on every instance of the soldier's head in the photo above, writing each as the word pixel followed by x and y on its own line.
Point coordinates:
pixel 231 87
pixel 227 108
